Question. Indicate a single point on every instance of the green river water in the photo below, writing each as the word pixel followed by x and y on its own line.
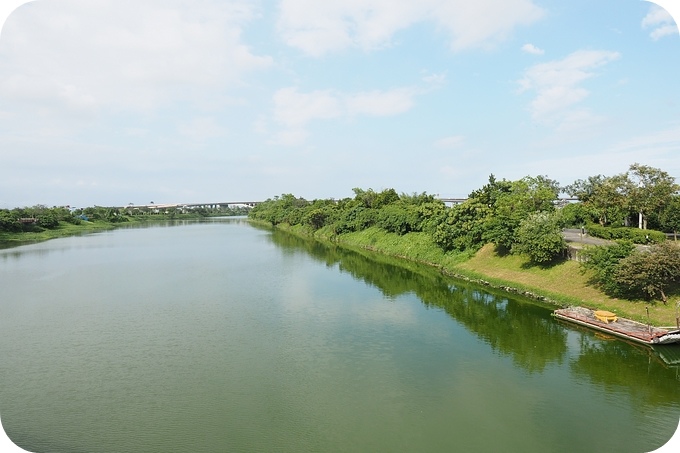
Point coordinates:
pixel 218 336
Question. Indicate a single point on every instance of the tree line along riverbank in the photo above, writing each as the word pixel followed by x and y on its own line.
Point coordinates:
pixel 40 223
pixel 508 234
pixel 561 284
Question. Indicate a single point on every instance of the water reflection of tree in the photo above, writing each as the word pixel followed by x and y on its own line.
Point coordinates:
pixel 518 329
pixel 523 331
pixel 619 366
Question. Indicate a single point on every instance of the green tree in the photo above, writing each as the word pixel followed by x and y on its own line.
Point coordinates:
pixel 463 226
pixel 47 220
pixel 284 209
pixel 670 216
pixel 418 199
pixel 399 218
pixel 9 221
pixel 316 218
pixel 649 274
pixel 651 190
pixel 540 237
pixel 431 215
pixel 386 197
pixel 526 196
pixel 574 215
pixel 319 213
pixel 491 192
pixel 602 262
pixel 371 199
pixel 605 199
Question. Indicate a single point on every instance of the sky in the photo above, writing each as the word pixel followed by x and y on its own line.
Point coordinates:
pixel 111 102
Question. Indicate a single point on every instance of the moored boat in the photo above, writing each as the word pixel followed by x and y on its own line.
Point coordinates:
pixel 620 327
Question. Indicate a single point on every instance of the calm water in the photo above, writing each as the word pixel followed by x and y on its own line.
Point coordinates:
pixel 221 337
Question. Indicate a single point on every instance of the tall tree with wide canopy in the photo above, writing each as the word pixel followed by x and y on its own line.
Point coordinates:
pixel 604 197
pixel 650 190
pixel 642 190
pixel 670 216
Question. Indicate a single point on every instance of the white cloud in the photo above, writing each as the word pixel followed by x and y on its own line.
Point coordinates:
pixel 661 23
pixel 530 48
pixel 319 27
pixel 84 56
pixel 483 23
pixel 557 84
pixel 656 148
pixel 579 120
pixel 660 146
pixel 294 110
pixel 664 30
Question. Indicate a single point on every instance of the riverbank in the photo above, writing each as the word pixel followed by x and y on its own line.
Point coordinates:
pixel 65 229
pixel 13 239
pixel 560 285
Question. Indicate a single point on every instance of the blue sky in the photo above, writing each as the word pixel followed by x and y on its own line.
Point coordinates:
pixel 110 102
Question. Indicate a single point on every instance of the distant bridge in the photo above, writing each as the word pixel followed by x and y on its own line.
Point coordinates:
pixel 212 205
pixel 226 204
pixel 453 200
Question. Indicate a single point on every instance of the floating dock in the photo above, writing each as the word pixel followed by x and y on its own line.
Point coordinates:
pixel 620 327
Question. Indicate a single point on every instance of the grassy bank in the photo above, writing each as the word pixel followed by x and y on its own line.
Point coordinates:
pixel 566 284
pixel 12 239
pixel 64 229
pixel 562 284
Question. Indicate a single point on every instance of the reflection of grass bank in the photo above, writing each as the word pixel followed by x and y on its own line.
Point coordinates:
pixel 562 284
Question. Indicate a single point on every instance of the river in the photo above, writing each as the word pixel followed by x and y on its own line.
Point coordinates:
pixel 218 336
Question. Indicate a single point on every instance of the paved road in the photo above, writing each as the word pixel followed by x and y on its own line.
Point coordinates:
pixel 574 238
pixel 575 235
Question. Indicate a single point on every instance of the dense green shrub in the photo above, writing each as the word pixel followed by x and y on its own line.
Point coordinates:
pixel 399 219
pixel 42 217
pixel 574 215
pixel 632 234
pixel 9 221
pixel 431 215
pixel 47 220
pixel 355 218
pixel 603 260
pixel 315 218
pixel 463 227
pixel 540 237
pixel 648 273
pixel 670 216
